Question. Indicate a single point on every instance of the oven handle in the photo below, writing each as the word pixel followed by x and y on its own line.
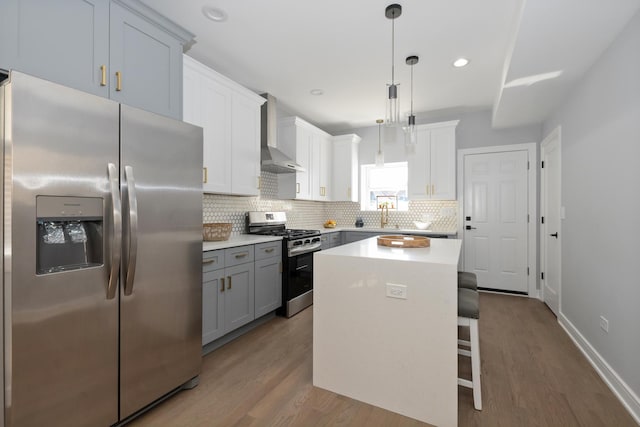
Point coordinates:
pixel 302 267
pixel 304 249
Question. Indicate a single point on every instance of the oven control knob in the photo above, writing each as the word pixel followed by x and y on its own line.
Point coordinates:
pixel 307 241
pixel 297 243
pixel 315 239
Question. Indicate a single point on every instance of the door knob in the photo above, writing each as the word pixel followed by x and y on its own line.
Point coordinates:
pixel 554 235
pixel 468 227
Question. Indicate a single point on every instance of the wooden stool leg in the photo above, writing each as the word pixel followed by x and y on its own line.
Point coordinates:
pixel 475 363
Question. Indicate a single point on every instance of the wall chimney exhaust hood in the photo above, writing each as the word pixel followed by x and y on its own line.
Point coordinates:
pixel 272 159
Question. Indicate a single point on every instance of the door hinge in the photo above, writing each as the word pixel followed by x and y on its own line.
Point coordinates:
pixel 542 219
pixel 543 164
pixel 542 275
pixel 527 271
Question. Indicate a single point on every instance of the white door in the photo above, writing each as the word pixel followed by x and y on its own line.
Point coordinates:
pixel 550 199
pixel 495 219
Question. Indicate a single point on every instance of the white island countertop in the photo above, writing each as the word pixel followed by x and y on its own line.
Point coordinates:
pixel 385 327
pixel 391 230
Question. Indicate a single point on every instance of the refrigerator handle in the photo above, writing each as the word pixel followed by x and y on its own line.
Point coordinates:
pixel 133 230
pixel 116 242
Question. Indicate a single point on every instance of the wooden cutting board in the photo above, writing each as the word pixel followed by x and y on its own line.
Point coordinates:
pixel 404 241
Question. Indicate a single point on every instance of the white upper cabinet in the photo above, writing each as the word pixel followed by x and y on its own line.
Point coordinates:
pixel 310 147
pixel 230 117
pixel 345 168
pixel 432 167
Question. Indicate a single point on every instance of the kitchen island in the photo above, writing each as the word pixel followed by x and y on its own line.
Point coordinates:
pixel 385 327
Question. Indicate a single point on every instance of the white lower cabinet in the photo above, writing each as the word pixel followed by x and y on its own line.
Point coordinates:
pixel 239 285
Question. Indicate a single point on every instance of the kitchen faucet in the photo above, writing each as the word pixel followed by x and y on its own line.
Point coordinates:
pixel 384 217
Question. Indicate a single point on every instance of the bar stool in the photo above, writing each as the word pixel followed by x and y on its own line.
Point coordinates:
pixel 468 313
pixel 467 280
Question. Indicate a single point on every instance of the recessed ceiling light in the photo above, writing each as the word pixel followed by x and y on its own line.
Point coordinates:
pixel 316 92
pixel 460 62
pixel 215 14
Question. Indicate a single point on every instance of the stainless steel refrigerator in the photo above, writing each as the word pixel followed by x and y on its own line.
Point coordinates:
pixel 102 247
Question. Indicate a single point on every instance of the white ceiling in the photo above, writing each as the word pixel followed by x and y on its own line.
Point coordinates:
pixel 289 47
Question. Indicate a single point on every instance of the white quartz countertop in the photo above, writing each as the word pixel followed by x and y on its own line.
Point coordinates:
pixel 441 251
pixel 238 240
pixel 391 230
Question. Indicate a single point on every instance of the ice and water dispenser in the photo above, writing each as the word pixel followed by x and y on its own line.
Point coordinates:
pixel 69 233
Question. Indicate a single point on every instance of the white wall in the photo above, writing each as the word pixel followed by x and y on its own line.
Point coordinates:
pixel 600 123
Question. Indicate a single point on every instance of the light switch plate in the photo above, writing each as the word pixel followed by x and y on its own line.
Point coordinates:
pixel 395 290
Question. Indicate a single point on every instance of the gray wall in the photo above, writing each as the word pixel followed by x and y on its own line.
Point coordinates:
pixel 600 134
pixel 474 130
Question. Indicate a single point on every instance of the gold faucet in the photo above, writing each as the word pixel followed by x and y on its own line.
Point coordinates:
pixel 384 217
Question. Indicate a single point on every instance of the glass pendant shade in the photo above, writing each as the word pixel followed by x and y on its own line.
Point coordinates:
pixel 410 131
pixel 392 117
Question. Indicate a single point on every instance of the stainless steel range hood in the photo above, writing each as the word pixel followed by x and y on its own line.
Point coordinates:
pixel 272 159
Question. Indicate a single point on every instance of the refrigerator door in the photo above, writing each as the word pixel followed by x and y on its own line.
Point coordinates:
pixel 60 327
pixel 161 302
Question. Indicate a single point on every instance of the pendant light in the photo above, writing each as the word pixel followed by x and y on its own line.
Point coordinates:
pixel 379 154
pixel 410 132
pixel 393 109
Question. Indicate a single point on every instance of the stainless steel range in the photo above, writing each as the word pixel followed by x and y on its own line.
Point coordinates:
pixel 298 247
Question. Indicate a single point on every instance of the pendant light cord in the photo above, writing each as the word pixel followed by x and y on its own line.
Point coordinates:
pixel 412 89
pixel 379 148
pixel 393 45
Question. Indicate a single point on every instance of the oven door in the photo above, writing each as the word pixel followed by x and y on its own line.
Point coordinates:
pixel 298 283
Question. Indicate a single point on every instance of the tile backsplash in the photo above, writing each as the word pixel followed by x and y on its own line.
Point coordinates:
pixel 308 214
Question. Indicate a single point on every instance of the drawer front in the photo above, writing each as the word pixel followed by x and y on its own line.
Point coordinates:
pixel 212 260
pixel 238 255
pixel 335 238
pixel 268 250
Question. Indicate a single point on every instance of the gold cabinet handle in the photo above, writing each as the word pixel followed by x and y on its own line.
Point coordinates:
pixel 103 77
pixel 242 255
pixel 297 187
pixel 118 81
pixel 427 189
pixel 222 284
pixel 433 189
pixel 205 175
pixel 210 261
pixel 269 250
pixel 228 282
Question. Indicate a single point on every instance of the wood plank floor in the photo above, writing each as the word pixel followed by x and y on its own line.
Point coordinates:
pixel 532 375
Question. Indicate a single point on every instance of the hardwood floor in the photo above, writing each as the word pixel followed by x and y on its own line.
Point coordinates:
pixel 532 375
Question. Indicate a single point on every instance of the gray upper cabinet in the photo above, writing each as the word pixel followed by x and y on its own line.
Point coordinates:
pixel 119 49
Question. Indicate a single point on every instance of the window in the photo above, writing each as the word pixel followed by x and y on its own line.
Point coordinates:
pixel 384 185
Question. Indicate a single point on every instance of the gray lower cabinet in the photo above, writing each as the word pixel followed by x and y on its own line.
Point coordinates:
pixel 354 236
pixel 330 240
pixel 239 285
pixel 268 289
pixel 118 49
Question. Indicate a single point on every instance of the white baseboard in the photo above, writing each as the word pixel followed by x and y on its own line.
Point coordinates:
pixel 622 391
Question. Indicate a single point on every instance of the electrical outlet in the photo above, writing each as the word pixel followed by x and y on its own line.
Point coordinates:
pixel 396 291
pixel 604 324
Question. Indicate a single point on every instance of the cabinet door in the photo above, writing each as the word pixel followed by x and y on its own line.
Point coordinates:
pixel 216 129
pixel 304 180
pixel 344 169
pixel 212 306
pixel 268 285
pixel 149 61
pixel 443 164
pixel 245 146
pixel 326 150
pixel 64 42
pixel 418 164
pixel 239 297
